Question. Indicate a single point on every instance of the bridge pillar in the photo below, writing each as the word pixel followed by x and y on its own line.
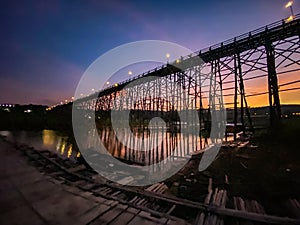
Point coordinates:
pixel 243 105
pixel 274 101
pixel 235 96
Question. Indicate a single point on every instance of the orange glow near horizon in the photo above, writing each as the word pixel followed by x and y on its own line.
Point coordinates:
pixel 256 86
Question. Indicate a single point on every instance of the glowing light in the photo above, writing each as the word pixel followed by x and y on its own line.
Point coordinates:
pixel 168 55
pixel 107 82
pixel 290 19
pixel 116 84
pixel 129 72
pixel 58 144
pixel 63 147
pixel 177 60
pixel 289 4
pixel 69 151
pixel 48 137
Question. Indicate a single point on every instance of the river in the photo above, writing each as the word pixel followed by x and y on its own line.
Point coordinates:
pixel 64 146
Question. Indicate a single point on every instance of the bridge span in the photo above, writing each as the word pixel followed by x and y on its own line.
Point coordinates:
pixel 218 73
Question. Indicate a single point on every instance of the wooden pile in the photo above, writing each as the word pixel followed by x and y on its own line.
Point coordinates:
pixel 219 198
pixel 248 205
pixel 157 188
pixel 294 207
pixel 216 198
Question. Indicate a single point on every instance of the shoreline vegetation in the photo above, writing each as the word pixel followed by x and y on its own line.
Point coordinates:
pixel 37 117
pixel 265 170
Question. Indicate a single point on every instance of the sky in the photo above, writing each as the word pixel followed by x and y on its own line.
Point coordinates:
pixel 45 46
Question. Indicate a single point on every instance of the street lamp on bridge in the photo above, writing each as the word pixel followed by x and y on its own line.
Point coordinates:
pixel 168 57
pixel 130 74
pixel 290 5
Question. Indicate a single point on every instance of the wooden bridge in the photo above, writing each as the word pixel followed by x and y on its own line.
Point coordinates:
pixel 264 53
pixel 222 70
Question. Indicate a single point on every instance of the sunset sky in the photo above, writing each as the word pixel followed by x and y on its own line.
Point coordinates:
pixel 47 45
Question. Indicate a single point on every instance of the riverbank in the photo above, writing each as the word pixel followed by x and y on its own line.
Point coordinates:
pixel 266 169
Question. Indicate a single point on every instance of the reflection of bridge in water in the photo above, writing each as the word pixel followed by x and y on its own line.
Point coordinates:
pixel 218 81
pixel 170 142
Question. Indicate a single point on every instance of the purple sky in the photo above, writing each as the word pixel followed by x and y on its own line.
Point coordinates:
pixel 47 45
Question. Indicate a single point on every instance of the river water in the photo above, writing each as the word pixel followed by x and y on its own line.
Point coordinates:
pixel 56 142
pixel 64 146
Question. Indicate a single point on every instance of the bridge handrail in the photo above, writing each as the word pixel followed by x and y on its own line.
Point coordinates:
pixel 245 35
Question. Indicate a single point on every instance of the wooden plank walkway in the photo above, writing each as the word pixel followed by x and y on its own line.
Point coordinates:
pixel 29 197
pixel 38 187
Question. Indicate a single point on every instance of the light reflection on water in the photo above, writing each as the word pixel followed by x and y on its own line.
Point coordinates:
pixel 45 140
pixel 64 147
pixel 171 146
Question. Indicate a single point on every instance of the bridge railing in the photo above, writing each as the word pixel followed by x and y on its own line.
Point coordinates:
pixel 246 35
pixel 240 38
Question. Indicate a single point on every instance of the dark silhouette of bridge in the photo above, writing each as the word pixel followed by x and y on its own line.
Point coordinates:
pixel 224 70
